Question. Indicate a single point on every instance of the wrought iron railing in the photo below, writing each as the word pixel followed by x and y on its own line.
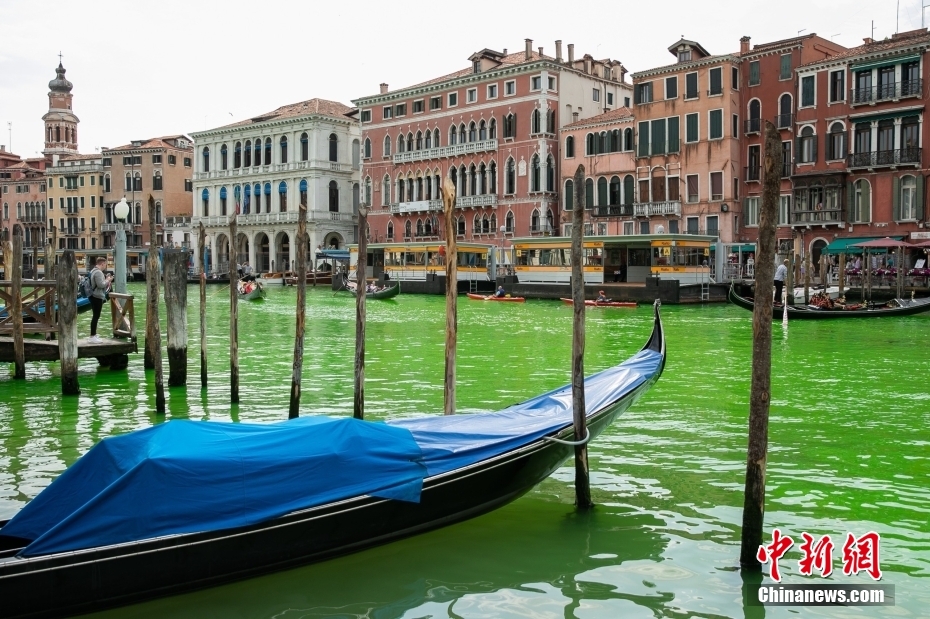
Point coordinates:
pixel 885 92
pixel 783 121
pixel 877 158
pixel 753 125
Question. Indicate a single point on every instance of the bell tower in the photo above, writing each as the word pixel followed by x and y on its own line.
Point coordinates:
pixel 60 121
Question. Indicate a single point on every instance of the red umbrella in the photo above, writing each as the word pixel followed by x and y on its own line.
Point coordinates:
pixel 924 244
pixel 885 242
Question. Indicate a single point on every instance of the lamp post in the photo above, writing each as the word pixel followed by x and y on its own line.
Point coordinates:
pixel 120 211
pixel 503 229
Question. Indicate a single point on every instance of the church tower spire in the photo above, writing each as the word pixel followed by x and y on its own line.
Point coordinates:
pixel 60 121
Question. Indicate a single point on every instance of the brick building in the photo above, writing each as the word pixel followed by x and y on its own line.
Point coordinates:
pixel 75 200
pixel 493 129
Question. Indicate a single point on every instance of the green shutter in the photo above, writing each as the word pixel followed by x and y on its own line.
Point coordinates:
pixel 850 203
pixel 692 121
pixel 569 195
pixel 589 193
pixel 754 73
pixel 658 137
pixel 785 66
pixel 919 198
pixel 716 124
pixel 895 199
pixel 602 191
pixel 673 137
pixel 643 139
pixel 866 202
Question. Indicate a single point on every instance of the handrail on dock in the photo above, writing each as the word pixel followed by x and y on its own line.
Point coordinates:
pixel 123 312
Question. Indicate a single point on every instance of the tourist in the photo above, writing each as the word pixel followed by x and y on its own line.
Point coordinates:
pixel 500 294
pixel 780 274
pixel 98 286
pixel 601 297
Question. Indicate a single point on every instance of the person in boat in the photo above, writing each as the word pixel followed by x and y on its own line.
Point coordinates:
pixel 601 297
pixel 780 274
pixel 500 293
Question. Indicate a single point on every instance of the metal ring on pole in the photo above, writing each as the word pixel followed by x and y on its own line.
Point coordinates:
pixel 583 441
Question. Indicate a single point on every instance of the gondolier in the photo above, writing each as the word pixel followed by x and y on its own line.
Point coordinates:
pixel 780 274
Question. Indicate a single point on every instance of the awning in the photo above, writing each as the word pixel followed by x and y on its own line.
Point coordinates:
pixel 884 62
pixel 745 249
pixel 844 245
pixel 868 118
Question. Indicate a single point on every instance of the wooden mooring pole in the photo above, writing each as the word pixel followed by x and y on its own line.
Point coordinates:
pixel 16 308
pixel 67 275
pixel 760 389
pixel 842 275
pixel 361 271
pixel 201 246
pixel 293 410
pixel 452 291
pixel 176 307
pixel 233 314
pixel 152 328
pixel 582 475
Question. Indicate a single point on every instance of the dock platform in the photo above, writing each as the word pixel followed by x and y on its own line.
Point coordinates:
pixel 45 350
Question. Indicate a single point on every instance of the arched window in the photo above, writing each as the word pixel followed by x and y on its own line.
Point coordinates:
pixel 627 139
pixel 419 141
pixel 223 196
pixel 267 151
pixel 836 142
pixel 482 180
pixel 267 197
pixel 282 197
pixel 248 154
pixel 58 134
pixel 906 201
pixel 367 148
pixel 476 224
pixel 428 140
pixel 755 116
pixel 549 219
pixel 460 225
pixel 454 177
pixel 483 131
pixel 283 149
pixel 224 157
pixel 386 190
pixel 492 129
pixel 237 155
pixel 356 197
pixel 613 196
pixel 356 155
pixel 590 145
pixel 569 147
pixel 602 145
pixel 862 201
pixel 534 221
pixel 303 191
pixel 510 126
pixel 629 189
pixel 206 159
pixel 807 145
pixel 486 225
pixel 205 200
pixel 390 230
pixel 137 181
pixel 550 173
pixel 535 180
pixel 463 176
pixel 452 136
pixel 615 145
pixel 387 146
pixel 157 181
pixel 510 177
pixel 492 178
pixel 784 111
pixel 436 138
pixel 550 121
pixel 333 147
pixel 407 229
pixel 569 200
pixel 106 183
pixel 333 197
pixel 589 193
pixel 420 230
pixel 602 191
pixel 409 142
pixel 401 144
pixel 473 177
pixel 508 222
pixel 304 147
pixel 535 122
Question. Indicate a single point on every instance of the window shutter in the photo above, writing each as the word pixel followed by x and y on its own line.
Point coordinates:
pixel 843 146
pixel 850 203
pixel 658 137
pixel 919 197
pixel 895 199
pixel 636 96
pixel 673 138
pixel 569 195
pixel 814 148
pixel 866 202
pixel 643 139
pixel 799 149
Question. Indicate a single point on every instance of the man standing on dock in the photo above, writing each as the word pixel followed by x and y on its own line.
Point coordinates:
pixel 98 286
pixel 780 274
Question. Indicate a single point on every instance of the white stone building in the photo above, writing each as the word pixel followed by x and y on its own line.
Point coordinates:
pixel 306 152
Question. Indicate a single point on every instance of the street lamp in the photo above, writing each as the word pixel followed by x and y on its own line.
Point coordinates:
pixel 120 211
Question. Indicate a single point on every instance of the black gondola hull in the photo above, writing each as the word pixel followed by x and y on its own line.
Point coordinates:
pixel 804 312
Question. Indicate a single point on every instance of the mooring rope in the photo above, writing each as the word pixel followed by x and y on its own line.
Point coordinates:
pixel 572 443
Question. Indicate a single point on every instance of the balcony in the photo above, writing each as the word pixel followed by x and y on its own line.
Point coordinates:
pixel 418 206
pixel 648 209
pixel 313 164
pixel 488 199
pixel 177 222
pixel 784 121
pixel 115 227
pixel 884 158
pixel 288 217
pixel 886 92
pixel 446 151
pixel 616 210
pixel 821 217
pixel 702 231
pixel 753 125
pixel 752 173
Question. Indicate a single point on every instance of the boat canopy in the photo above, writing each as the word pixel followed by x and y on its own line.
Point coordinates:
pixel 845 245
pixel 189 476
pixel 333 254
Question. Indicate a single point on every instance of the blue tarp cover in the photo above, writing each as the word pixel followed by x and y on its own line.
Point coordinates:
pixel 188 476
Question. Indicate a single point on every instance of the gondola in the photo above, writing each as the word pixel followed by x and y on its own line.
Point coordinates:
pixel 196 513
pixel 590 303
pixel 83 305
pixel 386 293
pixel 482 297
pixel 901 307
pixel 250 290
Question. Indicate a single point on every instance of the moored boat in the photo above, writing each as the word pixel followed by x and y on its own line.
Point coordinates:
pixel 482 297
pixel 832 291
pixel 271 279
pixel 125 530
pixel 313 278
pixel 895 307
pixel 590 303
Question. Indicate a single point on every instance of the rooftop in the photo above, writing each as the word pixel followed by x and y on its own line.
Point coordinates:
pixel 167 141
pixel 310 107
pixel 898 40
pixel 617 114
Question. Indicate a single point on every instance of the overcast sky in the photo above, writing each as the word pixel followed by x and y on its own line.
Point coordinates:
pixel 145 70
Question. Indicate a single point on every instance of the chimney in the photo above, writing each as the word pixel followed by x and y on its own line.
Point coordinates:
pixel 574 117
pixel 529 49
pixel 558 51
pixel 505 51
pixel 2 148
pixel 571 53
pixel 623 73
pixel 868 40
pixel 587 65
pixel 540 51
pixel 744 45
pixel 384 88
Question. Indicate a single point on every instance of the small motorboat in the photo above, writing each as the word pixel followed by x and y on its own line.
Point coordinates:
pixel 590 303
pixel 271 279
pixel 481 297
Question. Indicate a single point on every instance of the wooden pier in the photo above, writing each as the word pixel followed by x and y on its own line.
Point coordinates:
pixel 47 350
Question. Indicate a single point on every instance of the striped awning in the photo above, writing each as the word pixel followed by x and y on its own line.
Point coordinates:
pixel 884 62
pixel 845 245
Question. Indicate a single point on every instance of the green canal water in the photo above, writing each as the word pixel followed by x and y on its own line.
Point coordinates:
pixel 849 451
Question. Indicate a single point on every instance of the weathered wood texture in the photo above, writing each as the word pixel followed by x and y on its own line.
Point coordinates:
pixel 358 409
pixel 233 315
pixel 16 307
pixel 582 474
pixel 201 246
pixel 452 290
pixel 841 274
pixel 760 389
pixel 67 324
pixel 152 328
pixel 176 308
pixel 297 369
